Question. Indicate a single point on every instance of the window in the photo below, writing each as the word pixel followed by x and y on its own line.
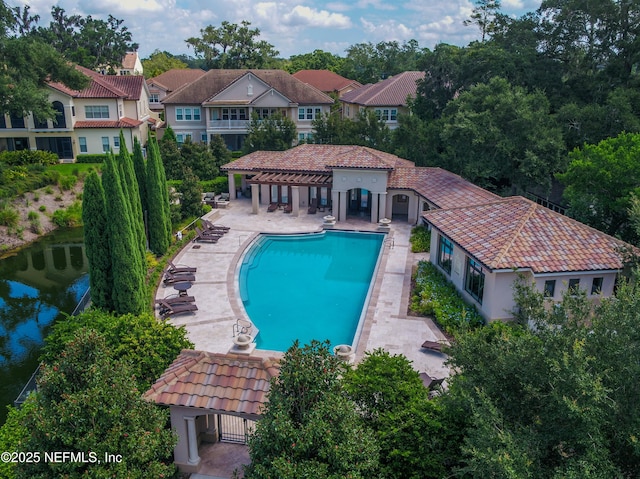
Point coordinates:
pixel 309 113
pixel 17 121
pixel 179 114
pixel 203 138
pixel 550 288
pixel 196 114
pixel 182 137
pixel 574 284
pixel 394 114
pixel 187 114
pixel 105 144
pixel 445 254
pixel 116 142
pixel 154 98
pixel 596 285
pixel 96 111
pixel 474 280
pixel 83 144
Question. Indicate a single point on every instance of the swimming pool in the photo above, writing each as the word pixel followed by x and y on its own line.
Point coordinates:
pixel 309 286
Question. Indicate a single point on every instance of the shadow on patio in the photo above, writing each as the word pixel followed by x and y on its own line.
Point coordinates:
pixel 220 459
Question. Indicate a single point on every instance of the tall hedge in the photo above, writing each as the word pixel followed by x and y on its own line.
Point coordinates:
pixel 140 168
pixel 159 219
pixel 96 242
pixel 129 294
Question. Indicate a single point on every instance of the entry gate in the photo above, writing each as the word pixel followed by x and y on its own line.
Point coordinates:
pixel 234 429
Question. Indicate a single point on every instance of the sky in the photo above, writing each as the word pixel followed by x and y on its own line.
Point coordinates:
pixel 293 27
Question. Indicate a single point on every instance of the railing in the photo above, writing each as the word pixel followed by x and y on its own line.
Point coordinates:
pixel 31 384
pixel 546 203
pixel 229 124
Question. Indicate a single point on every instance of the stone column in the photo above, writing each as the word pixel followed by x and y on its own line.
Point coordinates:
pixel 383 206
pixel 343 205
pixel 295 200
pixel 335 203
pixel 232 185
pixel 375 198
pixel 192 440
pixel 255 198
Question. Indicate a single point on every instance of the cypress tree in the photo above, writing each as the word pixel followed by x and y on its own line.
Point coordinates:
pixel 166 204
pixel 129 295
pixel 96 241
pixel 140 167
pixel 157 198
pixel 132 194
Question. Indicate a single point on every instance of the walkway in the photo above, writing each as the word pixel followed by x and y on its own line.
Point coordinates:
pixel 387 324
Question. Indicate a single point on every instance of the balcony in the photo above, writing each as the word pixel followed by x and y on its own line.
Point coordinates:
pixel 238 125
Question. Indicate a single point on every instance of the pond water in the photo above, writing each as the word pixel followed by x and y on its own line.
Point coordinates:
pixel 37 284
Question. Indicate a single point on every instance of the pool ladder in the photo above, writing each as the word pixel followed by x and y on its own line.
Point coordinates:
pixel 390 242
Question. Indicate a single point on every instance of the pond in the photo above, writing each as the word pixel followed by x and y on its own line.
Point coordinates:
pixel 37 284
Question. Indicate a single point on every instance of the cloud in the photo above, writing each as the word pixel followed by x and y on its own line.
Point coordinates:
pixel 301 16
pixel 387 31
pixel 375 4
pixel 130 6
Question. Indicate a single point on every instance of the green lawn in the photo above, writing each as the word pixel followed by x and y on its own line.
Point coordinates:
pixel 67 169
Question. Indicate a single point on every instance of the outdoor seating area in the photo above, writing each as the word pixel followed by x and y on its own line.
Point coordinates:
pixel 181 277
pixel 210 233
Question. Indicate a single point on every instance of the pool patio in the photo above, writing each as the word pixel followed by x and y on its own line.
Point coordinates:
pixel 387 324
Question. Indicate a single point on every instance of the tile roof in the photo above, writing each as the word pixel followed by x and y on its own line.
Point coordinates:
pixel 215 81
pixel 317 159
pixel 129 61
pixel 128 87
pixel 121 123
pixel 441 187
pixel 230 383
pixel 390 92
pixel 325 80
pixel 173 79
pixel 518 233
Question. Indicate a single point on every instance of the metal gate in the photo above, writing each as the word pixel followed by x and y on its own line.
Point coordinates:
pixel 234 429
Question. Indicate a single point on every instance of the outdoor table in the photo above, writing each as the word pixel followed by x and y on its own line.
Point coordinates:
pixel 182 287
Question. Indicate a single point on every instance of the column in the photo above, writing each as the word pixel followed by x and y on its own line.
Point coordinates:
pixel 383 206
pixel 255 198
pixel 343 205
pixel 375 198
pixel 335 203
pixel 295 200
pixel 232 185
pixel 192 440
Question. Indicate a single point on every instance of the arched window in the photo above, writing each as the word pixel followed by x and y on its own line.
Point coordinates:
pixel 60 120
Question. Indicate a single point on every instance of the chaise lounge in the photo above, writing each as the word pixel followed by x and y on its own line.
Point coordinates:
pixel 172 278
pixel 272 207
pixel 206 237
pixel 173 269
pixel 167 309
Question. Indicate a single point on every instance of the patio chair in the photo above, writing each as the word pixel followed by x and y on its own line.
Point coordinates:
pixel 206 238
pixel 288 208
pixel 313 206
pixel 172 278
pixel 214 227
pixel 272 207
pixel 172 268
pixel 429 382
pixel 175 309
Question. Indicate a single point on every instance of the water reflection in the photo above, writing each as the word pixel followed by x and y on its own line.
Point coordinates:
pixel 36 284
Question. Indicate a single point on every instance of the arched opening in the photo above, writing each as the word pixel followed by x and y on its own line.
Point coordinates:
pixel 60 120
pixel 400 206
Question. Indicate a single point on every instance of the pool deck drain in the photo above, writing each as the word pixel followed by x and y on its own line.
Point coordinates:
pixel 386 325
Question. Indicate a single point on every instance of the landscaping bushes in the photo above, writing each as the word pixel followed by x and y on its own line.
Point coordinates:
pixel 434 295
pixel 420 239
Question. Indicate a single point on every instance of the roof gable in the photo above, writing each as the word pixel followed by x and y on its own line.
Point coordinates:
pixel 128 87
pixel 390 92
pixel 221 382
pixel 516 233
pixel 175 78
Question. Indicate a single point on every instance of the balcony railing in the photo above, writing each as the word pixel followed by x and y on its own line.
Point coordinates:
pixel 228 124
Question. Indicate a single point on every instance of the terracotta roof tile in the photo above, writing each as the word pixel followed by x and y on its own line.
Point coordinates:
pixel 215 81
pixel 317 159
pixel 518 233
pixel 121 123
pixel 220 382
pixel 390 92
pixel 443 188
pixel 105 86
pixel 325 80
pixel 173 79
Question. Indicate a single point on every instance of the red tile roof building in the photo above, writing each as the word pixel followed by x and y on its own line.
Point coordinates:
pixel 327 81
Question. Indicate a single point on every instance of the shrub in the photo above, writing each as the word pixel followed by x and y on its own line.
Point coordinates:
pixel 42 208
pixel 32 215
pixel 91 158
pixel 36 197
pixel 434 295
pixel 48 190
pixel 217 185
pixel 69 217
pixel 67 182
pixel 8 216
pixel 420 239
pixel 28 157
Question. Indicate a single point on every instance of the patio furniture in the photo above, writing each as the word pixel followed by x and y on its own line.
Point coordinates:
pixel 206 238
pixel 288 208
pixel 209 199
pixel 272 207
pixel 182 287
pixel 313 206
pixel 433 346
pixel 221 229
pixel 172 268
pixel 174 309
pixel 172 278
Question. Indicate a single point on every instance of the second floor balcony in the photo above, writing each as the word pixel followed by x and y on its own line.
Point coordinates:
pixel 228 124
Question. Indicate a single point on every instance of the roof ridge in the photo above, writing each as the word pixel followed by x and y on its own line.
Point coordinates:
pixel 532 209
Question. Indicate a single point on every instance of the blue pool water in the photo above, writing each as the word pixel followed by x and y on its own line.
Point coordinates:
pixel 306 287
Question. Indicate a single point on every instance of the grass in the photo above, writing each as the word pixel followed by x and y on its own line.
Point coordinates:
pixel 68 169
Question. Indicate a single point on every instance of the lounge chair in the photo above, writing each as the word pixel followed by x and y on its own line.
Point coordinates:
pixel 176 300
pixel 214 227
pixel 313 206
pixel 433 345
pixel 288 208
pixel 272 207
pixel 172 278
pixel 172 268
pixel 206 238
pixel 168 310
